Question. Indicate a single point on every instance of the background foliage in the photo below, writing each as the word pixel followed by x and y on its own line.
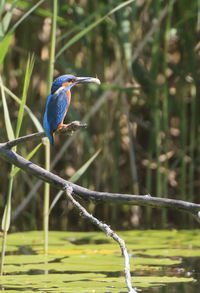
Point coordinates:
pixel 144 116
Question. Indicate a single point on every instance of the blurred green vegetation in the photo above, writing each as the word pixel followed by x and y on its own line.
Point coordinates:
pixel 144 116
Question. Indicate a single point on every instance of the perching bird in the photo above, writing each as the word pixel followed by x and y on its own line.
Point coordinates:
pixel 58 102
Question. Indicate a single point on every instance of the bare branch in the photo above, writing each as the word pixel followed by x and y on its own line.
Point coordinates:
pixel 72 189
pixel 109 232
pixel 68 130
pixel 24 139
pixel 115 198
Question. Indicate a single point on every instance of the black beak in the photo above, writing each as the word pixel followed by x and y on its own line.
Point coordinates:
pixel 87 79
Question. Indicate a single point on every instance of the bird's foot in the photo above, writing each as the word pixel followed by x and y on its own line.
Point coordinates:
pixel 70 128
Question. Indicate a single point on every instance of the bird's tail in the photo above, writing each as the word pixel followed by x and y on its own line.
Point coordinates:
pixel 51 139
pixel 49 135
pixel 47 130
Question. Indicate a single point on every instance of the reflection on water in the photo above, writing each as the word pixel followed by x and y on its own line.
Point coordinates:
pixel 175 288
pixel 189 267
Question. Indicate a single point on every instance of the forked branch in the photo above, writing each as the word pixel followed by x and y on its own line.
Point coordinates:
pixel 109 232
pixel 70 189
pixel 115 198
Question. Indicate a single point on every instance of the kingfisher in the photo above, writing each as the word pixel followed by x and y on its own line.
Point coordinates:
pixel 58 102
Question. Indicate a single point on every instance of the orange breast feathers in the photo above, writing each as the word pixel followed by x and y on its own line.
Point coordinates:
pixel 68 94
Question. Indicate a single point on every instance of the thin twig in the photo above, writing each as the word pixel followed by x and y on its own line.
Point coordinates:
pixel 109 232
pixel 24 139
pixel 69 130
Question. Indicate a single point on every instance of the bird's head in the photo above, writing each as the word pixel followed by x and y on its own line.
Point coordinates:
pixel 68 81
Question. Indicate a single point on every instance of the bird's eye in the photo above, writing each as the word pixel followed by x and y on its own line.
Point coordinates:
pixel 71 80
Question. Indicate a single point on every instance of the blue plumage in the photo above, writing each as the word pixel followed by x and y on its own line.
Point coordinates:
pixel 46 124
pixel 54 113
pixel 60 80
pixel 58 102
pixel 56 105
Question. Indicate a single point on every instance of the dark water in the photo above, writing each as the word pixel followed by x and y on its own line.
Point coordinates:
pixel 175 288
pixel 190 267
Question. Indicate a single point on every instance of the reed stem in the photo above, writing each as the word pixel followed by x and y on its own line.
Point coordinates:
pixel 47 145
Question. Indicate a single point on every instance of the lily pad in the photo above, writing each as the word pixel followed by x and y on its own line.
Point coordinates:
pixel 92 262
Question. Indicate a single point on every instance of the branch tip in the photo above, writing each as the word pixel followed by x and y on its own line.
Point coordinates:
pixel 69 129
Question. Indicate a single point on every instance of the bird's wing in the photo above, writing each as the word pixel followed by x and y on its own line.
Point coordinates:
pixel 56 109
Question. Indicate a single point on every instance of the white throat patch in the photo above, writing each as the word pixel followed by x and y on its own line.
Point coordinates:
pixel 59 90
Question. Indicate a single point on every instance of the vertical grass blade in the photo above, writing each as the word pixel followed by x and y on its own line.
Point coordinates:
pixel 34 151
pixel 4 45
pixel 7 211
pixel 28 74
pixel 46 199
pixel 47 145
pixel 91 26
pixel 2 3
pixel 165 110
pixel 6 222
pixel 8 124
pixel 6 19
pixel 155 139
pixel 35 120
pixel 192 143
pixel 183 144
pixel 198 15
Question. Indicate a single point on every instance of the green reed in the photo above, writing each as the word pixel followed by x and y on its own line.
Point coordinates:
pixel 7 211
pixel 102 38
pixel 47 144
pixel 165 106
